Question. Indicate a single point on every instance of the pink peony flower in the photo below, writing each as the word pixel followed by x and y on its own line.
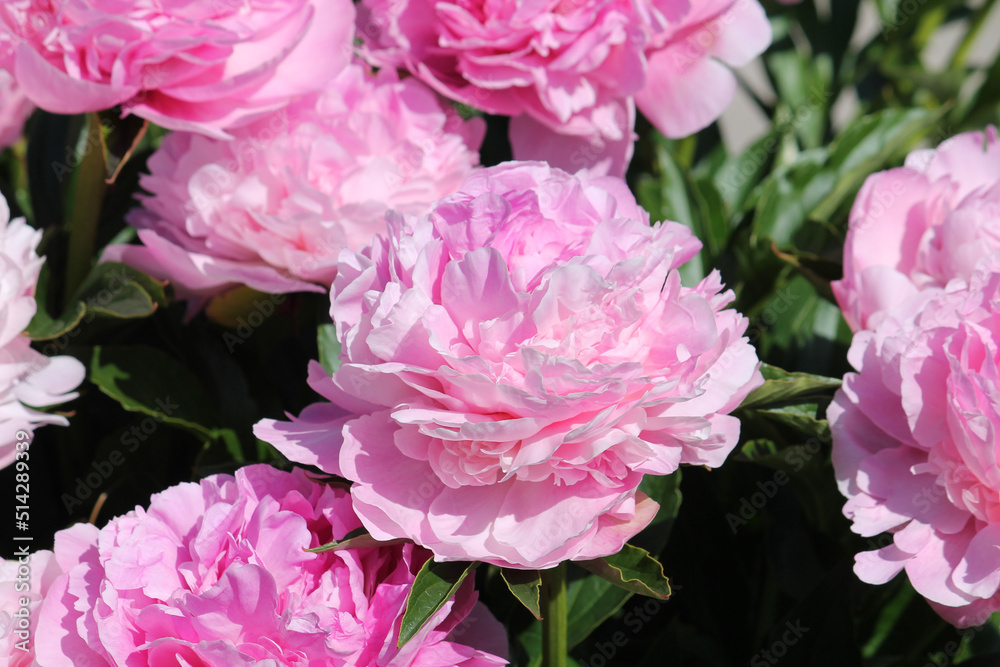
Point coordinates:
pixel 14 110
pixel 28 379
pixel 570 73
pixel 196 65
pixel 520 358
pixel 215 573
pixel 918 226
pixel 914 448
pixel 274 208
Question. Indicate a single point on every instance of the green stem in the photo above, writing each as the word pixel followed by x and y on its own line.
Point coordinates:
pixel 85 207
pixel 977 22
pixel 555 647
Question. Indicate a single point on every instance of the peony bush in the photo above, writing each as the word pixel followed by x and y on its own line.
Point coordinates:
pixel 524 354
pixel 273 208
pixel 217 573
pixel 590 332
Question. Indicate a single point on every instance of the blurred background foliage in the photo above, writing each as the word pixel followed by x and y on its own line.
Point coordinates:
pixel 758 552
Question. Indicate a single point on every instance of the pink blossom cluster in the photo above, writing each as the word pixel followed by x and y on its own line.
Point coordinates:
pixel 571 72
pixel 28 379
pixel 522 356
pixel 915 428
pixel 198 65
pixel 217 573
pixel 274 207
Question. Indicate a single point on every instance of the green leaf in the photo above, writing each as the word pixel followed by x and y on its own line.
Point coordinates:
pixel 147 380
pixel 329 347
pixel 434 585
pixel 526 586
pixel 713 212
pixel 111 289
pixel 675 204
pixel 815 185
pixel 356 539
pixel 153 287
pixel 870 144
pixel 803 84
pixel 887 10
pixel 782 387
pixel 634 570
pixel 45 327
pixel 591 600
pixel 801 417
pixel 739 174
pixel 88 187
pixel 698 204
pixel 789 196
pixel 666 196
pixel 758 448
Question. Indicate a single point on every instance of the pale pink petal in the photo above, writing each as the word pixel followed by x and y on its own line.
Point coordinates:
pixel 601 153
pixel 682 97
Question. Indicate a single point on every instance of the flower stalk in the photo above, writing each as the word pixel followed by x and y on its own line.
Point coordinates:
pixel 555 647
